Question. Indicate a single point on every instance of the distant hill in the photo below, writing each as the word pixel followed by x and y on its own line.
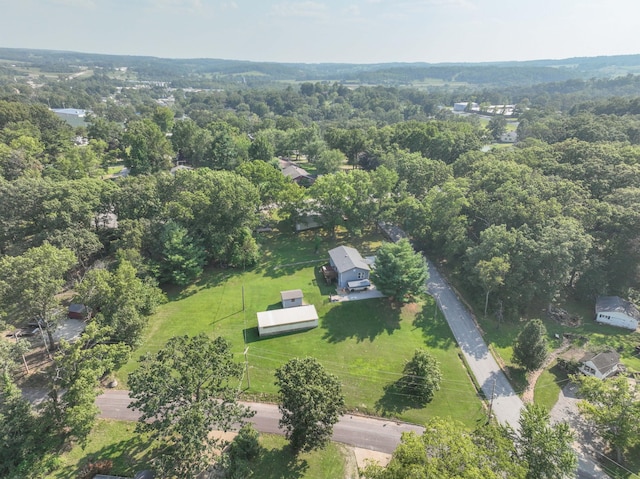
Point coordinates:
pixel 14 62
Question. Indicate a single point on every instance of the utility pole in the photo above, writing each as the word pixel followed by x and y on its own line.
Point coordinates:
pixel 493 394
pixel 246 364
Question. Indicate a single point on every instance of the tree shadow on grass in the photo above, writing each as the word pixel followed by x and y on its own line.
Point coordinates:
pixel 212 277
pixel 128 456
pixel 435 330
pixel 280 463
pixel 362 320
pixel 395 400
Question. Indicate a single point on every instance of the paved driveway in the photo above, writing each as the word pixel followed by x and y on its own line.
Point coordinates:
pixel 506 403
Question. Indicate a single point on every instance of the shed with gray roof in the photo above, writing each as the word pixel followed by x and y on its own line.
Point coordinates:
pixel 349 265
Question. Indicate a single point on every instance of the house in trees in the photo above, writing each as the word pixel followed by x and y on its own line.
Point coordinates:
pixel 615 311
pixel 297 174
pixel 291 298
pixel 348 265
pixel 601 365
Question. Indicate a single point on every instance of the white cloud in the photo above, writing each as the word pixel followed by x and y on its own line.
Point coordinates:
pixel 308 9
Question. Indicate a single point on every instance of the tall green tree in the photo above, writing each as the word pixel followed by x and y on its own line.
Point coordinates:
pixel 182 258
pixel 184 392
pixel 74 382
pixel 546 449
pixel 491 275
pixel 422 376
pixel 311 402
pixel 30 284
pixel 613 407
pixel 22 432
pixel 400 272
pixel 530 347
pixel 120 300
pixel 330 161
pixel 147 148
pixel 447 450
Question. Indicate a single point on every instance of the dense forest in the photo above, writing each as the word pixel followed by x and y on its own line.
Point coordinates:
pixel 563 201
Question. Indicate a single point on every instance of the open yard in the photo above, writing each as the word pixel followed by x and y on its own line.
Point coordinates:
pixel 129 453
pixel 365 343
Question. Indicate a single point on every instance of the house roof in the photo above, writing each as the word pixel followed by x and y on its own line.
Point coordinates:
pixel 292 170
pixel 291 294
pixel 611 304
pixel 604 361
pixel 346 258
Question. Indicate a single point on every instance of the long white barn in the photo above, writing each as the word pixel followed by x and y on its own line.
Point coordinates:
pixel 286 320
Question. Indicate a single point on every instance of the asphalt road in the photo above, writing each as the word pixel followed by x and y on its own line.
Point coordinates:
pixel 506 403
pixel 359 431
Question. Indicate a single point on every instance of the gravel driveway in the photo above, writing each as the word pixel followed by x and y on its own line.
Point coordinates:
pixel 566 409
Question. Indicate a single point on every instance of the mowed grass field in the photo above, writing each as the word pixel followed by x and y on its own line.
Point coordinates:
pixel 364 343
pixel 131 452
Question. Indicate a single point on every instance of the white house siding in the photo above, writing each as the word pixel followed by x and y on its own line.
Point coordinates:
pixel 590 369
pixel 615 318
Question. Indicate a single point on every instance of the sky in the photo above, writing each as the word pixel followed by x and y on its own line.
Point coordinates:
pixel 327 31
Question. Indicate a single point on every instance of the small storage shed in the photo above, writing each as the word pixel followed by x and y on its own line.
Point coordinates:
pixel 280 321
pixel 615 311
pixel 349 265
pixel 291 298
pixel 601 365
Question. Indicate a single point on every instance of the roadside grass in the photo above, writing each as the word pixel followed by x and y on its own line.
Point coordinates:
pixel 130 453
pixel 113 440
pixel 364 343
pixel 277 461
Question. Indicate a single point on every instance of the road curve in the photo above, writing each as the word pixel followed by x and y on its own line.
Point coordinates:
pixel 506 403
pixel 359 431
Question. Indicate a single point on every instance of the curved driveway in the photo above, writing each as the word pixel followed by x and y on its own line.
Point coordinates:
pixel 506 403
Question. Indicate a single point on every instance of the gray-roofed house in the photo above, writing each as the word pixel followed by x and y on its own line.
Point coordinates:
pixel 291 298
pixel 615 311
pixel 601 365
pixel 348 264
pixel 297 174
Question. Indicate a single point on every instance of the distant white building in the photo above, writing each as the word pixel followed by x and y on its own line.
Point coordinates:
pixel 462 106
pixel 615 311
pixel 73 116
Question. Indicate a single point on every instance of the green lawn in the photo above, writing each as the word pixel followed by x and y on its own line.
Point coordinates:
pixel 117 441
pixel 549 385
pixel 365 343
pixel 114 440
